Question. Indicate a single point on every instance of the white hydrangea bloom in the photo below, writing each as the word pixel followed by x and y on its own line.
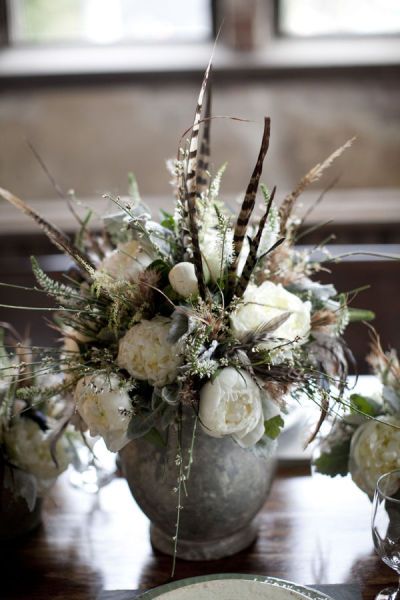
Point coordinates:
pixel 232 405
pixel 374 451
pixel 126 262
pixel 267 301
pixel 28 447
pixel 146 353
pixel 104 404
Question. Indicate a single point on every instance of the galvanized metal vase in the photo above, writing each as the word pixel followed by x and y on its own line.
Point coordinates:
pixel 227 487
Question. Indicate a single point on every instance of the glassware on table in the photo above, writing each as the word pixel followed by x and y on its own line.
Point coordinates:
pixel 94 466
pixel 386 527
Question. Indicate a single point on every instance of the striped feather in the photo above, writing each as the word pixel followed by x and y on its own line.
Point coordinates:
pixel 203 158
pixel 191 186
pixel 254 245
pixel 194 138
pixel 248 205
pixel 56 236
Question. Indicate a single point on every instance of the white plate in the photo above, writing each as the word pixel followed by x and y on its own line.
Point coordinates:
pixel 233 586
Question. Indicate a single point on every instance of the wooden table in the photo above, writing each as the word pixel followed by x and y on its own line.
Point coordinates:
pixel 312 530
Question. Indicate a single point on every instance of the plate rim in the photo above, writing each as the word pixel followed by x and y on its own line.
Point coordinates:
pixel 306 591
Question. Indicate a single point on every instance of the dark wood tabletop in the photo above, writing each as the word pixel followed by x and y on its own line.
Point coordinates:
pixel 312 530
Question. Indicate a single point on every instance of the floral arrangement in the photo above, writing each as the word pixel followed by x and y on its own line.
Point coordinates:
pixel 35 443
pixel 204 309
pixel 365 441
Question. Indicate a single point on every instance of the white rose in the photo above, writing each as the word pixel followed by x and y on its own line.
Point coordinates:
pixel 126 262
pixel 265 302
pixel 183 280
pixel 28 447
pixel 104 404
pixel 231 405
pixel 375 450
pixel 146 353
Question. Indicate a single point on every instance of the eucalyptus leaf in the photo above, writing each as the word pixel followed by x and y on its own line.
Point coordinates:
pixel 319 291
pixel 391 400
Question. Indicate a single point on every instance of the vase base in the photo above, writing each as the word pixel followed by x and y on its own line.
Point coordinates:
pixel 205 550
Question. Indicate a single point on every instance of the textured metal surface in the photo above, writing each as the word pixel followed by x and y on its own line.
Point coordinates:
pixel 227 487
pixel 16 519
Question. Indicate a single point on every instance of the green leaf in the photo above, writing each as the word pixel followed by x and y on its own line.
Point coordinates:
pixel 168 220
pixel 359 314
pixel 366 406
pixel 273 426
pixel 335 462
pixel 154 437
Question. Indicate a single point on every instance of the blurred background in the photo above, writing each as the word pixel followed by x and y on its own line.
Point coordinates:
pixel 101 88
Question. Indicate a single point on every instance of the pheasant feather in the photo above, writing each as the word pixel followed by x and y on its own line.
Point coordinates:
pixel 203 159
pixel 191 186
pixel 248 205
pixel 252 257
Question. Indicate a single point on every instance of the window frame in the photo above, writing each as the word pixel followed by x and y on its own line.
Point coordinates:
pixel 5 37
pixel 282 55
pixel 277 11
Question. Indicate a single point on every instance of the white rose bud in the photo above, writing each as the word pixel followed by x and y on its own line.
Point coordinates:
pixel 374 451
pixel 267 301
pixel 104 404
pixel 183 280
pixel 126 262
pixel 146 353
pixel 231 405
